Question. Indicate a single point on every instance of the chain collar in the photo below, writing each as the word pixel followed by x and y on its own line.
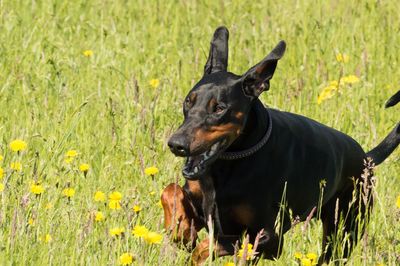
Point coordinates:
pixel 250 151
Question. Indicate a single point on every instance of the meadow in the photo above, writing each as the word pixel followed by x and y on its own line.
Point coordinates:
pixel 91 91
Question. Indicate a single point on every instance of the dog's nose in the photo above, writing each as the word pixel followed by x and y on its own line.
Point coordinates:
pixel 179 145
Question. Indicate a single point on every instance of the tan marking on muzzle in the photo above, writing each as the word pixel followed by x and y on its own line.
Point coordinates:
pixel 230 130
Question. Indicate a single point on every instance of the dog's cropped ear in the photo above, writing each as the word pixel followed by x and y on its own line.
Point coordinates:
pixel 393 100
pixel 256 79
pixel 218 56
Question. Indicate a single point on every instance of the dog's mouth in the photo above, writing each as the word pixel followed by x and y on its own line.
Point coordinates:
pixel 196 166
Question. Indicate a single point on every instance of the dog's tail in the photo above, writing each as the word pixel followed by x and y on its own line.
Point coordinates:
pixel 390 143
pixel 393 100
pixel 386 147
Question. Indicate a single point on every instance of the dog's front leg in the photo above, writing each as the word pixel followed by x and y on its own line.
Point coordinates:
pixel 180 216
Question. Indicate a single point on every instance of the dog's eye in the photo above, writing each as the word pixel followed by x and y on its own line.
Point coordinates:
pixel 219 109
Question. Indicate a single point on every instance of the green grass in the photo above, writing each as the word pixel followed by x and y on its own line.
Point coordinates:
pixel 56 99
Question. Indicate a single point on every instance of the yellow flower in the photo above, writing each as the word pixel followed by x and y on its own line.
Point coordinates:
pixel 152 193
pixel 154 83
pixel 153 238
pixel 126 259
pixel 249 251
pixel 99 216
pixel 1 187
pixel 306 262
pixel 37 189
pixel 68 160
pixel 115 195
pixel 47 238
pixel 16 166
pixel 343 58
pixel 99 196
pixel 136 208
pixel 84 167
pixel 326 93
pixel 229 264
pixel 1 172
pixel 71 153
pixel 117 231
pixel 87 53
pixel 350 79
pixel 18 145
pixel 398 202
pixel 151 170
pixel 1 158
pixel 114 205
pixel 68 192
pixel 313 257
pixel 298 255
pixel 140 231
pixel 31 222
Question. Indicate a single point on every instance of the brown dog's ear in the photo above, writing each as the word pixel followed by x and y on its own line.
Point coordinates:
pixel 256 79
pixel 218 56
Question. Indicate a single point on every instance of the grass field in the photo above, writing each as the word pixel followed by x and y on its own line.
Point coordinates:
pixel 75 75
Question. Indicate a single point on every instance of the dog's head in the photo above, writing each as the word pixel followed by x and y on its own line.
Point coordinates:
pixel 215 110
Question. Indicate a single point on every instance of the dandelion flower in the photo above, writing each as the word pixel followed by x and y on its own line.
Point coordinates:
pixel 115 195
pixel 154 83
pixel 136 208
pixel 153 238
pixel 99 196
pixel 229 264
pixel 114 205
pixel 68 192
pixel 16 166
pixel 350 79
pixel 342 58
pixel 18 145
pixel 117 231
pixel 298 255
pixel 306 262
pixel 99 216
pixel 88 53
pixel 1 172
pixel 84 168
pixel 398 202
pixel 126 259
pixel 1 187
pixel 31 222
pixel 312 256
pixel 249 251
pixel 71 153
pixel 46 239
pixel 140 231
pixel 37 189
pixel 150 171
pixel 326 93
pixel 1 158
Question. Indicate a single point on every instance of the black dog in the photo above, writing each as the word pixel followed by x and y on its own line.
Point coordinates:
pixel 247 165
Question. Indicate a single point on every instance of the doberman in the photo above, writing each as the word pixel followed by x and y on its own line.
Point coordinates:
pixel 248 166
